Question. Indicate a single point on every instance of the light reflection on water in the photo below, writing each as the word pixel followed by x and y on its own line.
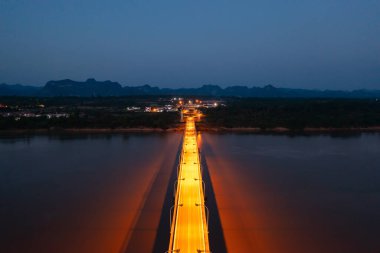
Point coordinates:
pixel 76 193
pixel 277 193
pixel 79 193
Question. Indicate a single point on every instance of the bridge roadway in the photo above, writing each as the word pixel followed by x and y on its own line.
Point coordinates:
pixel 189 231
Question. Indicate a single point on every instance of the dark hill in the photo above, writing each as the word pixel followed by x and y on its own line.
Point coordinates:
pixel 94 88
pixel 89 88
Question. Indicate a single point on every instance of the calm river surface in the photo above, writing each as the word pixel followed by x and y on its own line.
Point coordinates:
pixel 279 194
pixel 82 194
pixel 274 194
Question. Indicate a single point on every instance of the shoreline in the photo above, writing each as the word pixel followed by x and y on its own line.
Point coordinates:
pixel 283 130
pixel 276 130
pixel 90 130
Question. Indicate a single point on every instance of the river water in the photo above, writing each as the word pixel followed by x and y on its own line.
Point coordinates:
pixel 274 193
pixel 281 194
pixel 83 193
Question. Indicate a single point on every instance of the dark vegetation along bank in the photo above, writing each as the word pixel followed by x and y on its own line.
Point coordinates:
pixel 30 113
pixel 95 120
pixel 295 114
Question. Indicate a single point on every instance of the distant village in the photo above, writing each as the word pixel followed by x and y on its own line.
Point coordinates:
pixel 153 105
pixel 176 105
pixel 18 112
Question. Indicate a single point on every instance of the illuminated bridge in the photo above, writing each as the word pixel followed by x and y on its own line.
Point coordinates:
pixel 189 220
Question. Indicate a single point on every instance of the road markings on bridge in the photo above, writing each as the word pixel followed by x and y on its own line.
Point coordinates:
pixel 189 222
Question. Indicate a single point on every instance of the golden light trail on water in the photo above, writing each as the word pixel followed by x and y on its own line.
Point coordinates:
pixel 189 231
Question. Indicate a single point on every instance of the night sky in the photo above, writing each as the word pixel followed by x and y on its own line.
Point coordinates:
pixel 319 44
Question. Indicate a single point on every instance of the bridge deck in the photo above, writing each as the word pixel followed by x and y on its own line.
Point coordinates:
pixel 189 232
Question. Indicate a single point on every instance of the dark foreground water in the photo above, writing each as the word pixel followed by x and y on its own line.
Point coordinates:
pixel 279 194
pixel 83 194
pixel 275 194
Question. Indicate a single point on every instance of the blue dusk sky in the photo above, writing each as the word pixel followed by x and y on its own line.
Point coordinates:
pixel 322 44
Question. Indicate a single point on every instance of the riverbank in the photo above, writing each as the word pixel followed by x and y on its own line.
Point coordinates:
pixel 279 130
pixel 202 128
pixel 91 130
